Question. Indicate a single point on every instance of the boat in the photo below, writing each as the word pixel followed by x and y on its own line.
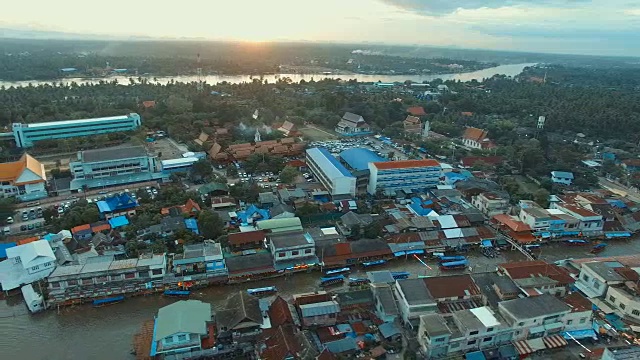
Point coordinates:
pixel 177 293
pixel 399 275
pixel 374 263
pixel 333 280
pixel 108 301
pixel 337 271
pixel 576 242
pixel 451 258
pixel 454 265
pixel 598 248
pixel 358 281
pixel 262 291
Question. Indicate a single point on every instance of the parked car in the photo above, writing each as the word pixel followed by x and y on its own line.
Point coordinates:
pixel 23 227
pixel 10 220
pixel 31 226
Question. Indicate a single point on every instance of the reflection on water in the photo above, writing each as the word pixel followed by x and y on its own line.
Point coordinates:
pixel 509 70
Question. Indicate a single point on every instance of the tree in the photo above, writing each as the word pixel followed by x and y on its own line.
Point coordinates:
pixel 541 196
pixel 356 231
pixel 232 172
pixel 373 230
pixel 7 208
pixel 307 210
pixel 289 174
pixel 210 224
pixel 178 105
pixel 202 169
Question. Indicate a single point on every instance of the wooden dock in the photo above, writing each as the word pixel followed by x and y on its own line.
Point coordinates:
pixel 142 341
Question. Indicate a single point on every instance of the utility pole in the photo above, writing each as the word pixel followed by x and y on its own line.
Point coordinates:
pixel 199 83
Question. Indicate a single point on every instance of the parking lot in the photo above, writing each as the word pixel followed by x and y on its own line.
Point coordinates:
pixel 337 146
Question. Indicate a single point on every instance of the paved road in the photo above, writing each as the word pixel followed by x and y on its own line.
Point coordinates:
pixel 619 189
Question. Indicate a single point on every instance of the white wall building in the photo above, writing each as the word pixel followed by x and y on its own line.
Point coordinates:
pixel 405 174
pixel 331 173
pixel 26 263
pixel 24 179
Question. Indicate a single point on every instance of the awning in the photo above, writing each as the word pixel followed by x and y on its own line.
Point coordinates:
pixel 536 329
pixel 580 334
pixel 523 347
pixel 399 253
pixel 615 235
pixel 601 305
pixel 554 341
pixel 487 243
pixel 419 251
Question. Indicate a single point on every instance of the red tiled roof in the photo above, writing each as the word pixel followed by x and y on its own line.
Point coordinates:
pixel 100 227
pixel 343 249
pixel 527 269
pixel 279 312
pixel 451 286
pixel 475 134
pixel 305 299
pixel 281 344
pixel 416 111
pixel 148 104
pixel 27 240
pixel 522 237
pixel 248 237
pixel 297 163
pixel 401 164
pixel 632 162
pixel 80 228
pixel 579 210
pixel 466 113
pixel 511 223
pixel 577 302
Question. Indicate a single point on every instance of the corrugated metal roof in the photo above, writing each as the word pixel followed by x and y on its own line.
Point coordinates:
pixel 328 163
pixel 359 159
pixel 319 309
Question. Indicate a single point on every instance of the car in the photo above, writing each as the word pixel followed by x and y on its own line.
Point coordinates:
pixel 38 225
pixel 31 226
pixel 23 227
pixel 60 210
pixel 10 220
pixel 154 191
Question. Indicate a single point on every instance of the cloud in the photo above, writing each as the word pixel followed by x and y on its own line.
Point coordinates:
pixel 443 7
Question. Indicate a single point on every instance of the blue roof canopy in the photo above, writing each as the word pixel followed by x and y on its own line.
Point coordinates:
pixel 359 159
pixel 118 221
pixel 4 247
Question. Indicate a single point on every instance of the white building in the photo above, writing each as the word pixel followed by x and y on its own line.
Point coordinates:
pixel 561 177
pixel 490 204
pixel 591 223
pixel 26 263
pixel 533 317
pixel 405 174
pixel 292 248
pixel 24 179
pixel 338 181
pixel 352 124
pixel 180 327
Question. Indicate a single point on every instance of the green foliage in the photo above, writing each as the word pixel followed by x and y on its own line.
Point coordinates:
pixel 78 214
pixel 257 163
pixel 541 196
pixel 373 230
pixel 247 192
pixel 307 209
pixel 202 169
pixel 210 225
pixel 289 174
pixel 7 208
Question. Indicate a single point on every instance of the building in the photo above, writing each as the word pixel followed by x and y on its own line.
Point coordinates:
pixel 204 258
pixel 292 249
pixel 475 138
pixel 463 331
pixel 287 128
pixel 247 240
pixel 182 165
pixel 596 277
pixel 26 263
pixel 320 313
pixel 353 221
pixel 241 315
pixel 414 300
pixel 102 273
pixel 117 205
pixel 490 204
pixel 182 327
pixel 24 179
pixel 357 162
pixel 621 353
pixel 338 181
pixel 113 166
pixel 536 217
pixel 352 124
pixel 590 223
pixel 416 111
pixel 412 125
pixel 534 317
pixel 538 277
pixel 406 175
pixel 562 177
pixel 26 134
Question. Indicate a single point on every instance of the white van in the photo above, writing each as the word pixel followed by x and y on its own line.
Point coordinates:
pixel 6 230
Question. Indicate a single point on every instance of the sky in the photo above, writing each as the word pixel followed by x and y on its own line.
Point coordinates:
pixel 596 27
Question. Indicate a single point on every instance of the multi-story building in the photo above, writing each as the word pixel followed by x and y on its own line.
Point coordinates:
pixel 182 327
pixel 352 124
pixel 113 166
pixel 405 174
pixel 357 162
pixel 338 181
pixel 536 217
pixel 596 277
pixel 26 134
pixel 537 277
pixel 24 179
pixel 490 204
pixel 534 317
pixel 463 331
pixel 204 258
pixel 591 223
pixel 291 249
pixel 26 263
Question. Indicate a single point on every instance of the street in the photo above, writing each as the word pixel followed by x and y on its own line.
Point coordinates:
pixel 619 189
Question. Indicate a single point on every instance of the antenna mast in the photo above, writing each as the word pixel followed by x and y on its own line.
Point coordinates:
pixel 199 83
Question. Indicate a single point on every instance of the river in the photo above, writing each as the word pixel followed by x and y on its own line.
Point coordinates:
pixel 509 70
pixel 83 332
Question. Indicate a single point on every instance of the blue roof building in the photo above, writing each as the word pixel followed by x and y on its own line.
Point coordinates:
pixel 118 221
pixel 358 159
pixel 421 207
pixel 252 214
pixel 192 224
pixel 3 249
pixel 117 205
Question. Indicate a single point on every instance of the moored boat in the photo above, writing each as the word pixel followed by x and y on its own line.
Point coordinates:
pixel 454 265
pixel 262 291
pixel 333 280
pixel 177 293
pixel 374 263
pixel 444 259
pixel 598 248
pixel 358 281
pixel 337 271
pixel 576 242
pixel 399 275
pixel 108 301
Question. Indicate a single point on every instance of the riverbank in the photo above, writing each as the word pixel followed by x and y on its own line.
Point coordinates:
pixel 479 75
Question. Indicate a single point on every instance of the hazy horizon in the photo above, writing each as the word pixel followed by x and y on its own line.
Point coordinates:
pixel 588 27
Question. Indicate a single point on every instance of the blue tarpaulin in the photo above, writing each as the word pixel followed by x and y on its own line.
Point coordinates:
pixel 399 253
pixel 118 221
pixel 616 235
pixel 192 224
pixel 580 334
pixel 487 243
pixel 476 355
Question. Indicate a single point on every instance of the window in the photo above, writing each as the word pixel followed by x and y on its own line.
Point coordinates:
pixel 307 251
pixel 143 274
pixel 596 285
pixel 295 252
pixel 131 275
pixel 116 277
pixel 87 281
pixel 473 333
pixel 612 299
pixel 182 337
pixel 455 345
pixel 521 324
pixel 583 320
pixel 489 329
pixel 622 306
pixel 47 264
pixel 281 254
pixel 635 312
pixel 156 271
pixel 569 322
pixel 487 339
pixel 72 282
pixel 585 277
pixel 471 342
pixel 439 339
pixel 168 339
pixel 55 285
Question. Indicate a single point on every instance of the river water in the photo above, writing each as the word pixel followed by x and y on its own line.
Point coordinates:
pixel 509 70
pixel 83 332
